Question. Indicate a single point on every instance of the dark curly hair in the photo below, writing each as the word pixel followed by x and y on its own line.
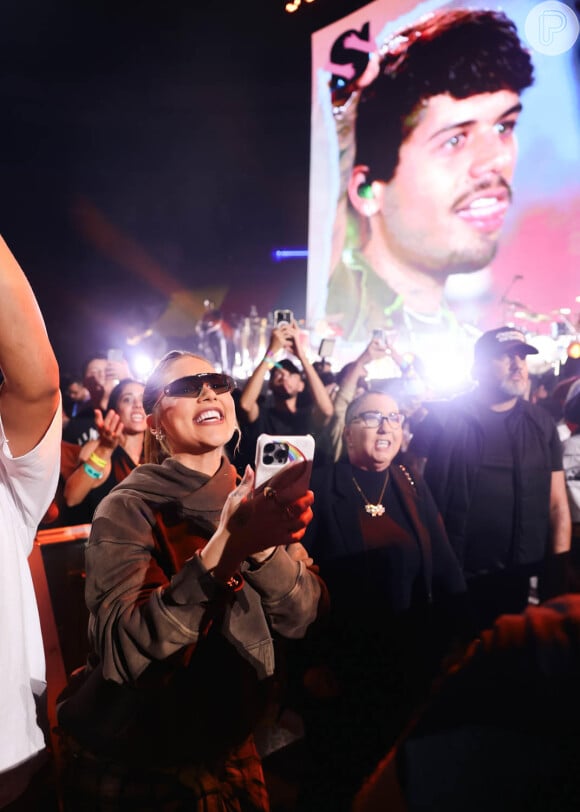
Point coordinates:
pixel 460 52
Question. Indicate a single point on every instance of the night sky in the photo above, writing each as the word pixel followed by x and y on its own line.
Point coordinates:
pixel 148 147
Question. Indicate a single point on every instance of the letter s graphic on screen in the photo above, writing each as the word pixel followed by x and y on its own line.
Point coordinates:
pixel 349 56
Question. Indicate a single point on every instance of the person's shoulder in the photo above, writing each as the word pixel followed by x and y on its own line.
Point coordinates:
pixel 465 402
pixel 122 514
pixel 538 414
pixel 440 413
pixel 330 479
pixel 117 500
pixel 135 490
pixel 35 463
pixel 410 480
pixel 572 443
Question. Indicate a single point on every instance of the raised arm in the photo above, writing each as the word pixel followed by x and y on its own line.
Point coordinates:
pixel 30 393
pixel 94 459
pixel 560 522
pixel 347 391
pixel 322 404
pixel 253 388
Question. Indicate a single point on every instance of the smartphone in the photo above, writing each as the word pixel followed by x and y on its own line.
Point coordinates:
pixel 326 347
pixel 115 355
pixel 283 317
pixel 285 463
pixel 380 336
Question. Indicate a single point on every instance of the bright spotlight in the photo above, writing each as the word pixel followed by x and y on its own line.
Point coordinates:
pixel 142 364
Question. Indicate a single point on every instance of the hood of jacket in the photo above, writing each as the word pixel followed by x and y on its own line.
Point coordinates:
pixel 171 481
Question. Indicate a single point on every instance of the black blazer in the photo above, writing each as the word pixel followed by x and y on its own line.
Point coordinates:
pixel 334 533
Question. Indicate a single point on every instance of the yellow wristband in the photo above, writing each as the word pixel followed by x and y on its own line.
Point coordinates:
pixel 98 461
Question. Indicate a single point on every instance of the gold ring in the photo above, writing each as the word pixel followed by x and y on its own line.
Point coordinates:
pixel 269 493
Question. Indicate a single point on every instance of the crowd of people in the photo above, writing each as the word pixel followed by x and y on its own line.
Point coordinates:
pixel 386 606
pixel 212 602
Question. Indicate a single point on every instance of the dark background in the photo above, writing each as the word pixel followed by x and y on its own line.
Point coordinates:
pixel 148 147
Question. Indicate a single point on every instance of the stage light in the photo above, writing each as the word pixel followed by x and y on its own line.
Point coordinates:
pixel 573 350
pixel 444 364
pixel 132 341
pixel 289 253
pixel 142 364
pixel 293 6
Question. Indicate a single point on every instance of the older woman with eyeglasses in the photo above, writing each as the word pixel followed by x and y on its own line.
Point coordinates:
pixel 188 581
pixel 383 553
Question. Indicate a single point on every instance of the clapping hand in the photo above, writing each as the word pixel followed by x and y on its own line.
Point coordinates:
pixel 110 428
pixel 254 523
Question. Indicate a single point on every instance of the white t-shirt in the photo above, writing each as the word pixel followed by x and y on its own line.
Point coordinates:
pixel 571 457
pixel 27 486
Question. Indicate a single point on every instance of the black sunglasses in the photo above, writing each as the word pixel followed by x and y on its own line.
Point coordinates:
pixel 191 385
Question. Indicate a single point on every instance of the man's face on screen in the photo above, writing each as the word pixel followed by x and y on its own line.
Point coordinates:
pixel 444 208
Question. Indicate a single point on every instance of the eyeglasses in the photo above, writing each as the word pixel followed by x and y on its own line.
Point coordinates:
pixel 191 385
pixel 372 420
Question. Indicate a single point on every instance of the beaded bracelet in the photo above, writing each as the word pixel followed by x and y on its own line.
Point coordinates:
pixel 92 472
pixel 98 461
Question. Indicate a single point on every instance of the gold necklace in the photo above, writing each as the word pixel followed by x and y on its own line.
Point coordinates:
pixel 378 509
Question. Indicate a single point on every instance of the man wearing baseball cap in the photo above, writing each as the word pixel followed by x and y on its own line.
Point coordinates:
pixel 495 342
pixel 495 470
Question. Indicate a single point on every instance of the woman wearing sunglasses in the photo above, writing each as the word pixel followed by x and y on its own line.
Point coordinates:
pixel 385 558
pixel 188 580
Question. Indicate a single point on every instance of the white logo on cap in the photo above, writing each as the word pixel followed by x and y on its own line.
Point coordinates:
pixel 511 335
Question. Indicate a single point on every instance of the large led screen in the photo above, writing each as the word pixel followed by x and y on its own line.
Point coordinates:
pixel 445 176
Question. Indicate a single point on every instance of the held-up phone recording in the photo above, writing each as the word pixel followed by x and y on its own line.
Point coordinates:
pixel 283 317
pixel 284 462
pixel 380 335
pixel 326 347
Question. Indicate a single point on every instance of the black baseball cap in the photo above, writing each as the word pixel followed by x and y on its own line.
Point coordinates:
pixel 289 366
pixel 503 339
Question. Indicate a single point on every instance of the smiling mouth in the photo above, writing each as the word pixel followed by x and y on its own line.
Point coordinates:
pixel 209 416
pixel 383 444
pixel 485 211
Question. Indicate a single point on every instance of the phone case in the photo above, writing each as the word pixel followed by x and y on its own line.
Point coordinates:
pixel 288 458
